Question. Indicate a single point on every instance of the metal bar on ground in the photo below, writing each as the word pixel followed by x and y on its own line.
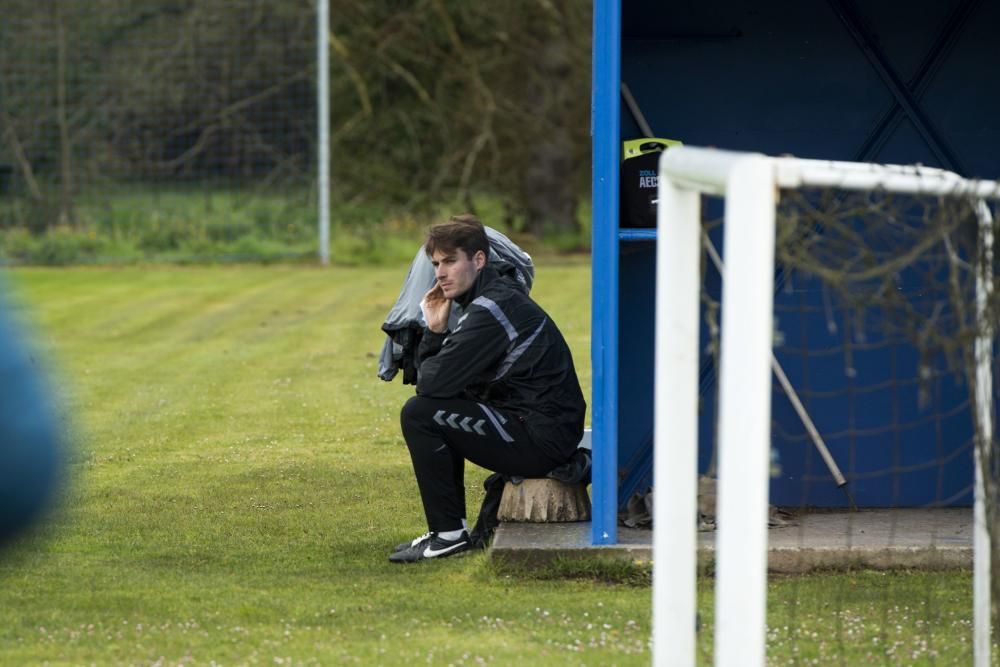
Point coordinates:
pixel 640 119
pixel 786 385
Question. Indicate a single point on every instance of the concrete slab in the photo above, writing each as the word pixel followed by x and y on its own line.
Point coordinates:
pixel 873 539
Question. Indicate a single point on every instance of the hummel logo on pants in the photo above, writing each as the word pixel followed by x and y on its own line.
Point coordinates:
pixel 443 433
pixel 452 421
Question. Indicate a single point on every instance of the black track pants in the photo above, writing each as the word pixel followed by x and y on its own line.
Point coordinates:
pixel 442 433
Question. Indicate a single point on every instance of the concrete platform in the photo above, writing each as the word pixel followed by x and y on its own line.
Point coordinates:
pixel 872 539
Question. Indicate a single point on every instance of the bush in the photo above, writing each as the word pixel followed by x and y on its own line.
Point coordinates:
pixel 204 225
pixel 61 246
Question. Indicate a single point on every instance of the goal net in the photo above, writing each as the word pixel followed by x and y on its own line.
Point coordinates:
pixel 852 337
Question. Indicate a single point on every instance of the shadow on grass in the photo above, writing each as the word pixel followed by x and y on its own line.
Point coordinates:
pixel 598 569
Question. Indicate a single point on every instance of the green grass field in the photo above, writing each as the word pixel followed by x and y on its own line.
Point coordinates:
pixel 237 480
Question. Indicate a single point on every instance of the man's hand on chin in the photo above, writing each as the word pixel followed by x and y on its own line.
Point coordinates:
pixel 436 308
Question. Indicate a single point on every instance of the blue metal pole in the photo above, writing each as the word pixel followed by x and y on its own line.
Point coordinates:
pixel 606 139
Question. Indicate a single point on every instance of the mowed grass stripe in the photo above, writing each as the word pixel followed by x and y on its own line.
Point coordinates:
pixel 235 413
pixel 211 342
pixel 247 517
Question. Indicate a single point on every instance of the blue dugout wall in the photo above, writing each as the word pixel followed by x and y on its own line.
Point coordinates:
pixel 828 79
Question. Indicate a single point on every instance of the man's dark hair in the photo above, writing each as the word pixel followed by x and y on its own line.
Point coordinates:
pixel 461 231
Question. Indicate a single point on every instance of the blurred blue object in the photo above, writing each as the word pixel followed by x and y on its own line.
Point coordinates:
pixel 30 435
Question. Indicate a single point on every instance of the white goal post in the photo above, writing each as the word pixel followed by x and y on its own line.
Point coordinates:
pixel 750 183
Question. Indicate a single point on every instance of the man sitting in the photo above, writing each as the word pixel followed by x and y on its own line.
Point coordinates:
pixel 499 390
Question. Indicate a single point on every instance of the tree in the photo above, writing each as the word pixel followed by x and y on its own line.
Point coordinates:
pixel 430 99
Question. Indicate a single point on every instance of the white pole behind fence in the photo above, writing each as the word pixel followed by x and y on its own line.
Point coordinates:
pixel 323 125
pixel 984 408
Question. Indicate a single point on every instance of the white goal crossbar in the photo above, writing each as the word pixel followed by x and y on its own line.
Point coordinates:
pixel 750 183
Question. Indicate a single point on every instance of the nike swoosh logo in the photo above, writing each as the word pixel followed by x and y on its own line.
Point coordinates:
pixel 431 553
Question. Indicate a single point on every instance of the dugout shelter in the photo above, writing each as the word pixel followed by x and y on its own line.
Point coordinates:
pixel 829 79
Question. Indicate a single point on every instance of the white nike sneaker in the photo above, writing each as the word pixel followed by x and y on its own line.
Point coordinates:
pixel 431 546
pixel 411 543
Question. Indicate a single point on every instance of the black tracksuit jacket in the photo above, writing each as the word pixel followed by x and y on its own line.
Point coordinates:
pixel 508 353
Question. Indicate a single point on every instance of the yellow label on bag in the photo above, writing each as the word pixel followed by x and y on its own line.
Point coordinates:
pixel 636 147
